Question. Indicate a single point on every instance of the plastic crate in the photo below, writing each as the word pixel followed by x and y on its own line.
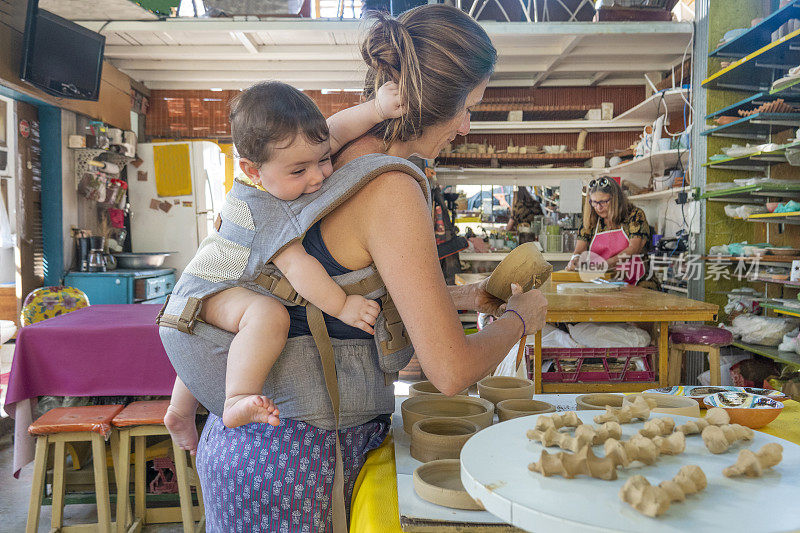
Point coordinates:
pixel 570 366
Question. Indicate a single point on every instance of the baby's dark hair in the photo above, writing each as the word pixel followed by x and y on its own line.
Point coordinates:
pixel 270 112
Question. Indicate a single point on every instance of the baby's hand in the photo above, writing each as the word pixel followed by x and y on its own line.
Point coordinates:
pixel 360 313
pixel 388 103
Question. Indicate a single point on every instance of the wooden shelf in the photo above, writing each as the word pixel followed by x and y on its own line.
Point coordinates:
pixel 518 158
pixel 497 111
pixel 781 309
pixel 757 126
pixel 755 72
pixel 547 177
pixel 751 162
pixel 785 282
pixel 557 126
pixel 655 163
pixel 759 35
pixel 790 94
pixel 776 218
pixel 758 192
pixel 658 195
pixel 653 107
pixel 789 358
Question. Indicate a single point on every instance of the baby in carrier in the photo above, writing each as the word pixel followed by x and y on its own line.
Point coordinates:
pixel 285 145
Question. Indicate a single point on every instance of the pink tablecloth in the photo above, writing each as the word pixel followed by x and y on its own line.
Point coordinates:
pixel 101 350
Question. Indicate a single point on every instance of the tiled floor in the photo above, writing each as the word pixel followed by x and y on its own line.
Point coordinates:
pixel 16 495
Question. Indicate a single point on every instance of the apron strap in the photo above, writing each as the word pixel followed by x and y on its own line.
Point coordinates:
pixel 319 331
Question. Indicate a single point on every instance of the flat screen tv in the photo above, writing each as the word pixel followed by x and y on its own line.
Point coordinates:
pixel 61 57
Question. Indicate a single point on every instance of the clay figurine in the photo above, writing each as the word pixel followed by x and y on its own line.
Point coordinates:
pixel 569 465
pixel 657 426
pixel 719 438
pixel 558 420
pixel 752 464
pixel 639 409
pixel 654 501
pixel 584 434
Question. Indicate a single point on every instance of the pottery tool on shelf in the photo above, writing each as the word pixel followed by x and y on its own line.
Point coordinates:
pixel 526 267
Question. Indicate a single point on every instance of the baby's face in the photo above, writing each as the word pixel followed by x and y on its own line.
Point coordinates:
pixel 296 168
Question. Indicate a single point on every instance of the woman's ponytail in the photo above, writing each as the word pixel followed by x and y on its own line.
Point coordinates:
pixel 390 53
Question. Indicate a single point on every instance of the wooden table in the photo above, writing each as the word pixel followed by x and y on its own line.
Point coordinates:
pixel 629 304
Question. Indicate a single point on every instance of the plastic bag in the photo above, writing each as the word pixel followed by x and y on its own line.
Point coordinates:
pixel 552 337
pixel 762 330
pixel 613 335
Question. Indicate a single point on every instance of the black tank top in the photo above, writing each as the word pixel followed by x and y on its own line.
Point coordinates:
pixel 298 322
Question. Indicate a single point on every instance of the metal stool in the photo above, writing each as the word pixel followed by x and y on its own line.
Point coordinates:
pixel 691 338
pixel 60 426
pixel 140 420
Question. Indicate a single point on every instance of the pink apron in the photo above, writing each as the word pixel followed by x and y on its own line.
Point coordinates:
pixel 609 243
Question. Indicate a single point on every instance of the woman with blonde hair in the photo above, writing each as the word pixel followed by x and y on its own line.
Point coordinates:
pixel 614 232
pixel 259 477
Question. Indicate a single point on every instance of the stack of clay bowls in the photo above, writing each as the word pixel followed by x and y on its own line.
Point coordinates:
pixel 499 388
pixel 440 438
pixel 468 408
pixel 515 408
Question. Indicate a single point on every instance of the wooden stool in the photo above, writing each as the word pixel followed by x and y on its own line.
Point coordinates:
pixel 60 426
pixel 140 420
pixel 690 338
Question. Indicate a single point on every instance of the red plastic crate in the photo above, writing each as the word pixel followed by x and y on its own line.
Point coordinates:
pixel 627 373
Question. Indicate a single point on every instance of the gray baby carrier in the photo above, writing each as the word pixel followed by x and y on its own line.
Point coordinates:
pixel 357 374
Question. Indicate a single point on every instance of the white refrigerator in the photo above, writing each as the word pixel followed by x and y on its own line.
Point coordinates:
pixel 175 223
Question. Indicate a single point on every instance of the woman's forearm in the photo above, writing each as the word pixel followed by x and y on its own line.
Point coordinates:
pixel 463 296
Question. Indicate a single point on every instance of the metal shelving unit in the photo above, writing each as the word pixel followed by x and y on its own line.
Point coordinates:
pixel 758 126
pixel 759 34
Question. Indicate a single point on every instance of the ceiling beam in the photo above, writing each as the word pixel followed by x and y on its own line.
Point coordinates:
pixel 318 25
pixel 247 41
pixel 597 78
pixel 566 49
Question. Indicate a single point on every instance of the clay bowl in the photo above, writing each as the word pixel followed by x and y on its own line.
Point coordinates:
pixel 508 409
pixel 426 387
pixel 439 482
pixel 525 266
pixel 746 409
pixel 499 388
pixel 470 408
pixel 668 404
pixel 440 438
pixel 598 401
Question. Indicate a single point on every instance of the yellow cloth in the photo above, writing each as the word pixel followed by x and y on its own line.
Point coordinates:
pixel 374 506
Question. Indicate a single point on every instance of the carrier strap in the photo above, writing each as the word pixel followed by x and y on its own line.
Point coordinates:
pixel 319 331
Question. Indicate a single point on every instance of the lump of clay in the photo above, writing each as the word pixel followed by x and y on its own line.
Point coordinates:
pixel 558 420
pixel 569 465
pixel 639 409
pixel 719 438
pixel 753 464
pixel 654 501
pixel 693 426
pixel 525 266
pixel 658 426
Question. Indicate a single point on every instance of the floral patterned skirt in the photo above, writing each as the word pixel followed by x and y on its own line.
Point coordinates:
pixel 259 477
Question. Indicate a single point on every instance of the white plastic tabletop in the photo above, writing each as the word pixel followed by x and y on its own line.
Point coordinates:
pixel 494 470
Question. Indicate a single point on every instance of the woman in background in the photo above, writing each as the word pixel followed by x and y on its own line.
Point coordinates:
pixel 613 229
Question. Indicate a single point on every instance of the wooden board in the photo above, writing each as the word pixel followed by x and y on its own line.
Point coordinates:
pixel 498 476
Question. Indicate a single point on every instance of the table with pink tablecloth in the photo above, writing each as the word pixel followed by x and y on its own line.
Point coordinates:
pixel 100 350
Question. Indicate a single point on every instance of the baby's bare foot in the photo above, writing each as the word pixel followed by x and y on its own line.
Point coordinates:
pixel 182 429
pixel 244 409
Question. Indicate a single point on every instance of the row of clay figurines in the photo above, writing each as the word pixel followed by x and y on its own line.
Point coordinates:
pixel 659 436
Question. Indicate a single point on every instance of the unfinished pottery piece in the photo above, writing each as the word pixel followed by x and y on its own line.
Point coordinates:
pixel 440 438
pixel 525 266
pixel 668 404
pixel 508 409
pixel 470 408
pixel 746 409
pixel 499 388
pixel 598 401
pixel 422 388
pixel 439 482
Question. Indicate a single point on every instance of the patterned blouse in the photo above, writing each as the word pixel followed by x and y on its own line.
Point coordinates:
pixel 634 225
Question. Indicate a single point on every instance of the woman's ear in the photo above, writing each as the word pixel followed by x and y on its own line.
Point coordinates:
pixel 251 170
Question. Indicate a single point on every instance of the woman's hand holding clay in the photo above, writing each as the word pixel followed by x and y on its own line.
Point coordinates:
pixel 531 305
